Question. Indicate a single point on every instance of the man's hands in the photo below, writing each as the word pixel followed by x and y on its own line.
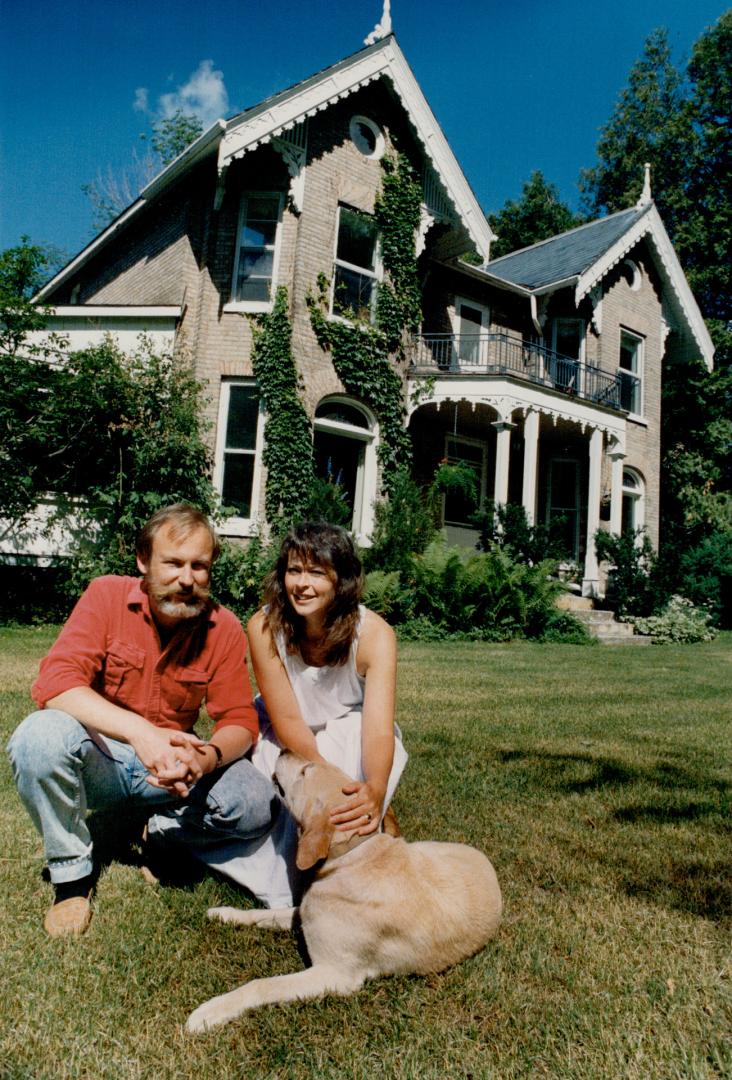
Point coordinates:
pixel 362 811
pixel 174 759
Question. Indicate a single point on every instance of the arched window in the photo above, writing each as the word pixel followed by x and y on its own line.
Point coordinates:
pixel 634 491
pixel 344 445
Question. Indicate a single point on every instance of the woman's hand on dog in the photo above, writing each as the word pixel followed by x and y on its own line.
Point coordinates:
pixel 361 811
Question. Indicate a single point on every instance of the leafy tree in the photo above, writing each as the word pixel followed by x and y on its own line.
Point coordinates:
pixel 173 134
pixel 22 271
pixel 537 215
pixel 114 190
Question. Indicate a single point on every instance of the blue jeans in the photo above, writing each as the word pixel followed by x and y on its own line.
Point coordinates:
pixel 62 769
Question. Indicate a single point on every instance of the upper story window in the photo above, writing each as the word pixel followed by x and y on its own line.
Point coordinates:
pixel 630 370
pixel 356 267
pixel 367 137
pixel 256 249
pixel 238 451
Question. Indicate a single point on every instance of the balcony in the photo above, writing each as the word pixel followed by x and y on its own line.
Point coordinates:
pixel 501 354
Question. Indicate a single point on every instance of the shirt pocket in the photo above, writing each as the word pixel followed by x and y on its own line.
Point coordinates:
pixel 190 685
pixel 122 668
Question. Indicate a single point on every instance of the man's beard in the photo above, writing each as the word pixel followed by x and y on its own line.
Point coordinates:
pixel 194 603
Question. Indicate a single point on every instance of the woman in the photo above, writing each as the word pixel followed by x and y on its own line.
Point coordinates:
pixel 326 671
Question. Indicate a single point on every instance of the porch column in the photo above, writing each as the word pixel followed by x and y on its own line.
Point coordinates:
pixel 591 578
pixel 503 453
pixel 531 446
pixel 617 458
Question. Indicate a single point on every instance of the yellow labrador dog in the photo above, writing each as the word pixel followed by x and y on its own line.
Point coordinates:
pixel 376 904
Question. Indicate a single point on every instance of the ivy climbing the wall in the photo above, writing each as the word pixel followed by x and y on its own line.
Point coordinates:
pixel 288 438
pixel 366 356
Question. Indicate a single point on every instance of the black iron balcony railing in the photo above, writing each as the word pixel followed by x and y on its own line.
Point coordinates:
pixel 501 354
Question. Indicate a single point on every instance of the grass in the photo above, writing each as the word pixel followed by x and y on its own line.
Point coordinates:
pixel 598 781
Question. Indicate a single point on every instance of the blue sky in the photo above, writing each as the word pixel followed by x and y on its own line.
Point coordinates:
pixel 517 85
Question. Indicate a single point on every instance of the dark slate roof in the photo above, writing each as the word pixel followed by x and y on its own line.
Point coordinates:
pixel 567 255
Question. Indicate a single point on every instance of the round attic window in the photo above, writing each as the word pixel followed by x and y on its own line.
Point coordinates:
pixel 367 137
pixel 632 274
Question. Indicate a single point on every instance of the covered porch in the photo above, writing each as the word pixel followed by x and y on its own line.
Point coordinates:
pixel 554 458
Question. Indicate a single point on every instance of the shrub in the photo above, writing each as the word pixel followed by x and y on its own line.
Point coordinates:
pixel 239 573
pixel 384 594
pixel 706 576
pixel 405 525
pixel 506 526
pixel 562 627
pixel 634 585
pixel 679 622
pixel 487 596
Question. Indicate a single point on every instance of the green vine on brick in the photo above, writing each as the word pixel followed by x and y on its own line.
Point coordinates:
pixel 397 212
pixel 366 356
pixel 288 437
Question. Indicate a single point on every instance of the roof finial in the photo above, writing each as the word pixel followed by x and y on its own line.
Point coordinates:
pixel 646 196
pixel 383 28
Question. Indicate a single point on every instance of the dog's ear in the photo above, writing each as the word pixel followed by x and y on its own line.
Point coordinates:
pixel 315 840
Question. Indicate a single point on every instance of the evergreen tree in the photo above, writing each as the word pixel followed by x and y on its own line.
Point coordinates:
pixel 536 216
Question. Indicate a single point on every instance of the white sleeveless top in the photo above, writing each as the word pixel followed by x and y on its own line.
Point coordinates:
pixel 326 693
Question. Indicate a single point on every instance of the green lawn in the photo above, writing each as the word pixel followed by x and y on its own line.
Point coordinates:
pixel 597 779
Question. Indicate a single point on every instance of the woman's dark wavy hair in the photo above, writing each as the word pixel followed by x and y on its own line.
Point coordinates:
pixel 324 545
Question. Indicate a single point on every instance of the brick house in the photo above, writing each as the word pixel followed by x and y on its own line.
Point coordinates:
pixel 541 370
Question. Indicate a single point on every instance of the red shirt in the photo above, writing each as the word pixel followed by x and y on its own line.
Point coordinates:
pixel 111 643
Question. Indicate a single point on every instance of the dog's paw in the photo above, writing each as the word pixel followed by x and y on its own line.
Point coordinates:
pixel 202 1019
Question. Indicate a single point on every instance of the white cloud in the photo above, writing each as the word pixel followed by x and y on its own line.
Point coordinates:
pixel 204 95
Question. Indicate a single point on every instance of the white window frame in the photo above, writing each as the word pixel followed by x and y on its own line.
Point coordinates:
pixel 239 526
pixel 367 474
pixel 377 273
pixel 261 306
pixel 636 279
pixel 638 373
pixel 636 490
pixel 380 143
pixel 485 323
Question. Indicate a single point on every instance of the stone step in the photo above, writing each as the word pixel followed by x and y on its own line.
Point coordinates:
pixel 603 626
pixel 598 618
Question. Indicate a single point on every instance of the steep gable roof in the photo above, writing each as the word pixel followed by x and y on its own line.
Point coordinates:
pixel 583 256
pixel 568 255
pixel 277 119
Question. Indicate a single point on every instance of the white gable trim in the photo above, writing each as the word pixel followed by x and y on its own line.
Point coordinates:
pixel 651 226
pixel 280 114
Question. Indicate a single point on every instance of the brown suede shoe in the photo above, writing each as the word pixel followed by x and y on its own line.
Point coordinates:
pixel 69 918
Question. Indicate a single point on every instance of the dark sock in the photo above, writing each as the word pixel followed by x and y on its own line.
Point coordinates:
pixel 66 889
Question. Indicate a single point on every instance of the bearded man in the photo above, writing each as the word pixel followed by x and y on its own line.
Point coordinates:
pixel 118 696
